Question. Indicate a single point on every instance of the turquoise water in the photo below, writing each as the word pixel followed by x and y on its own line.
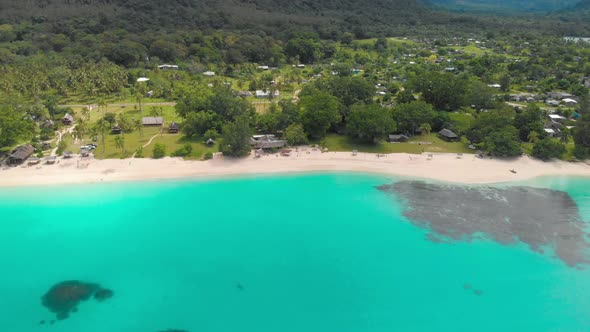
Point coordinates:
pixel 326 252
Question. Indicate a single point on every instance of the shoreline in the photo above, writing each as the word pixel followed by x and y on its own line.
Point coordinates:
pixel 441 167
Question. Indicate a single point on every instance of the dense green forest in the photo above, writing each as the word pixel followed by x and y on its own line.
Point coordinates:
pixel 341 74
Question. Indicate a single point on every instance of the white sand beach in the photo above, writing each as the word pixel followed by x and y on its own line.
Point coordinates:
pixel 443 167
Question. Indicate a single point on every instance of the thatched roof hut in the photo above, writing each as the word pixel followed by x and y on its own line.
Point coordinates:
pixel 20 154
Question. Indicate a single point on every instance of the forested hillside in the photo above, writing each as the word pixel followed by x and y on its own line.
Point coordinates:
pixel 363 17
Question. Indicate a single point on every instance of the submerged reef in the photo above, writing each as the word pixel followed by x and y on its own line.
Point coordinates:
pixel 541 218
pixel 64 297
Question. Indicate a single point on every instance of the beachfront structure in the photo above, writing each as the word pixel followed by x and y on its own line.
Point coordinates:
pixel 448 135
pixel 68 119
pixel 68 154
pixel 84 152
pixel 174 128
pixel 152 121
pixel 20 154
pixel 51 160
pixel 397 138
pixel 267 142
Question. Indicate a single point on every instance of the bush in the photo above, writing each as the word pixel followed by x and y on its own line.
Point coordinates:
pixel 211 133
pixel 185 150
pixel 139 152
pixel 208 155
pixel 548 148
pixel 159 151
pixel 295 135
pixel 61 147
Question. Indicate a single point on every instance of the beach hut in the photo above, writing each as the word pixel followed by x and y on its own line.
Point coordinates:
pixel 68 119
pixel 154 121
pixel 33 161
pixel 448 135
pixel 116 130
pixel 67 154
pixel 20 154
pixel 174 128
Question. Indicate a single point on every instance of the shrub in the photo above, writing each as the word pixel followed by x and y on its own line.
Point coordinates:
pixel 185 150
pixel 211 133
pixel 61 147
pixel 208 155
pixel 159 151
pixel 139 152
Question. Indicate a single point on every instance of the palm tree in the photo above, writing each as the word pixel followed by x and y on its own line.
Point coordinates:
pixel 425 129
pixel 120 142
pixel 138 125
pixel 533 137
pixel 80 130
pixel 102 104
pixel 103 126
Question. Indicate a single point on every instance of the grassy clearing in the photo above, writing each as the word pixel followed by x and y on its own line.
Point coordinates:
pixel 343 143
pixel 175 142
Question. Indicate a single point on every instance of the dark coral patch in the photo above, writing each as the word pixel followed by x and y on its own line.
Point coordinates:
pixel 103 294
pixel 64 297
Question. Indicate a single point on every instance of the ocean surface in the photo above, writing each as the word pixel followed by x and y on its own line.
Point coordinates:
pixel 313 253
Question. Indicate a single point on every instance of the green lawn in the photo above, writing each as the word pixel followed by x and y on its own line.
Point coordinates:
pixel 342 143
pixel 175 142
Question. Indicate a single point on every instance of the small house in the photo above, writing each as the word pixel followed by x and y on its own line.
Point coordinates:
pixel 20 154
pixel 168 67
pixel 397 138
pixel 48 124
pixel 267 142
pixel 244 94
pixel 142 79
pixel 266 94
pixel 210 141
pixel 552 102
pixel 209 73
pixel 153 121
pixel 45 146
pixel 550 132
pixel 116 130
pixel 556 118
pixel 174 128
pixel 569 102
pixel 263 67
pixel 448 135
pixel 68 119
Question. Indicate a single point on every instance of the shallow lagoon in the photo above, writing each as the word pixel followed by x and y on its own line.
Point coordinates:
pixel 322 252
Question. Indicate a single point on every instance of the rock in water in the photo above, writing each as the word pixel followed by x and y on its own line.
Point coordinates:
pixel 103 294
pixel 64 297
pixel 536 216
